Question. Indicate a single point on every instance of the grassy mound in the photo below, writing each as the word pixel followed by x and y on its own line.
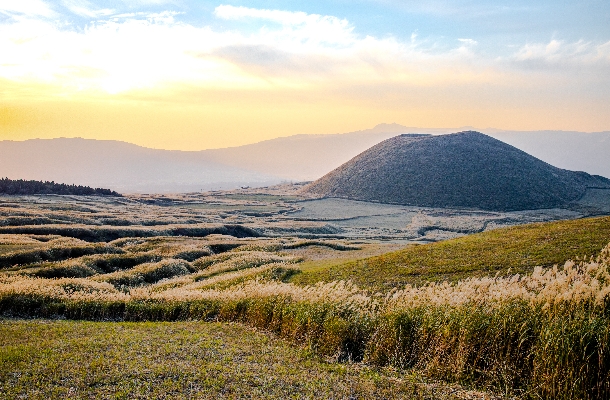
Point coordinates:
pixel 519 249
pixel 147 273
pixel 465 169
pixel 86 266
pixel 55 251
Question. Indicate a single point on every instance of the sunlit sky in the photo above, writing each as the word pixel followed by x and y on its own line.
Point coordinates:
pixel 198 74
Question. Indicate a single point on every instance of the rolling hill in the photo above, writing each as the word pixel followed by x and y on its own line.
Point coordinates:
pixel 120 166
pixel 465 169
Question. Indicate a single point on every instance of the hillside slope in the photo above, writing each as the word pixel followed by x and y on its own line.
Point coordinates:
pixel 465 169
pixel 517 249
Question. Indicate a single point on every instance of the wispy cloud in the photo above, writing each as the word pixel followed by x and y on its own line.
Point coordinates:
pixel 468 42
pixel 558 52
pixel 299 25
pixel 279 16
pixel 148 2
pixel 457 8
pixel 139 51
pixel 26 7
pixel 86 9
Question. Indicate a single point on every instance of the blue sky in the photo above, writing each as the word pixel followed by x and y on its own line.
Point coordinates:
pixel 487 22
pixel 246 71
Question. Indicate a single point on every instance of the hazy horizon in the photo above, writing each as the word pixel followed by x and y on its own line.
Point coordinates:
pixel 127 167
pixel 397 128
pixel 193 75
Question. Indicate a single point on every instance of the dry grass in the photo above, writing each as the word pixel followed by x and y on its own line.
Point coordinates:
pixel 82 267
pixel 538 333
pixel 439 309
pixel 146 273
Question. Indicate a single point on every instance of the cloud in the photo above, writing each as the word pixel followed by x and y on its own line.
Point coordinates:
pixel 312 28
pixel 313 48
pixel 279 16
pixel 286 50
pixel 26 7
pixel 466 9
pixel 135 51
pixel 468 42
pixel 265 60
pixel 557 53
pixel 148 2
pixel 86 9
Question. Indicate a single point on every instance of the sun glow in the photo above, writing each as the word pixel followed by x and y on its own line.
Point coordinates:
pixel 154 79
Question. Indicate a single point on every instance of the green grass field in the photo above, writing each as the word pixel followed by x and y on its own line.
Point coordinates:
pixel 42 359
pixel 518 248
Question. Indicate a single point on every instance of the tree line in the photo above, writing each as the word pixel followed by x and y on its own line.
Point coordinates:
pixel 20 186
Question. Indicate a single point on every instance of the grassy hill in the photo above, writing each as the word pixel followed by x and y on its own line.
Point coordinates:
pixel 465 169
pixel 518 248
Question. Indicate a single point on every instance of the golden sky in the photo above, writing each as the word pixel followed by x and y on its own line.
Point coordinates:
pixel 159 77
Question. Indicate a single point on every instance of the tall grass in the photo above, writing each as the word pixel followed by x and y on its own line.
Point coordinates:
pixel 543 335
pixel 234 261
pixel 86 266
pixel 146 273
pixel 56 250
pixel 92 233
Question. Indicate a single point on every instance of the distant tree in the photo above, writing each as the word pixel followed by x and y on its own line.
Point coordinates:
pixel 20 186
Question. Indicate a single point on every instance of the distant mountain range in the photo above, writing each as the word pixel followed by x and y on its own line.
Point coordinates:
pixel 120 166
pixel 465 169
pixel 126 167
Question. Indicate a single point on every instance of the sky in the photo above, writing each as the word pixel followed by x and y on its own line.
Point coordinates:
pixel 192 75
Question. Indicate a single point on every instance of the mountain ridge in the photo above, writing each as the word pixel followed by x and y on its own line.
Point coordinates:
pixel 127 167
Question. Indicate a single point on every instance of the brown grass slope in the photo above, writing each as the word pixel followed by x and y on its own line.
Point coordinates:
pixel 465 169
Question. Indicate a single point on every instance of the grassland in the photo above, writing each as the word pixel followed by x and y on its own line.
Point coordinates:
pixel 448 311
pixel 44 359
pixel 506 250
